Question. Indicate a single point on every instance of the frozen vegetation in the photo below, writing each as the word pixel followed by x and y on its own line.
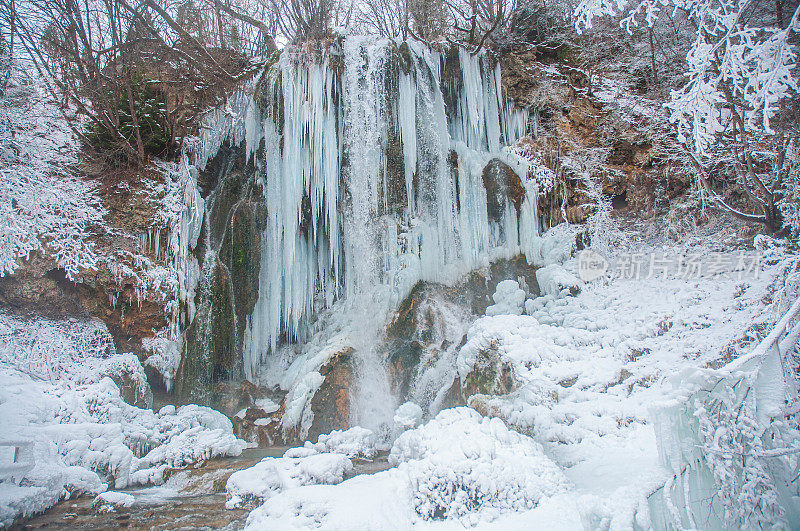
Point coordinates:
pixel 42 204
pixel 61 386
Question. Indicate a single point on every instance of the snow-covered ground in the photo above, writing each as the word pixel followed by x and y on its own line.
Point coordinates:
pixel 61 403
pixel 574 444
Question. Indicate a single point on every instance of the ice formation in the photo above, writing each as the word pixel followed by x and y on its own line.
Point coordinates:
pixel 508 299
pixel 337 229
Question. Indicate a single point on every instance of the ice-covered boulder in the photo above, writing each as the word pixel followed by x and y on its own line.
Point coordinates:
pixel 508 299
pixel 555 280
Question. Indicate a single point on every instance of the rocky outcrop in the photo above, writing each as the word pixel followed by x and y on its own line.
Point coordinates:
pixel 569 117
pixel 490 375
pixel 230 257
pixel 502 184
pixel 331 403
pixel 330 406
pixel 430 326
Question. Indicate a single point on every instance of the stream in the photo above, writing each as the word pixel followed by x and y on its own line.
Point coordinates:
pixel 192 498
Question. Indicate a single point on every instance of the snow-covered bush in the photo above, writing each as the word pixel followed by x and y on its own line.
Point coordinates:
pixel 46 349
pixel 790 203
pixel 43 207
pixel 165 357
pixel 460 463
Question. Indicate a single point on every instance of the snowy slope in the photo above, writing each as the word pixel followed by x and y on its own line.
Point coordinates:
pixel 591 372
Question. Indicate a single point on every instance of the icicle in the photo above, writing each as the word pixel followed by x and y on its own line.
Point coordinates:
pixel 407 121
pixel 325 238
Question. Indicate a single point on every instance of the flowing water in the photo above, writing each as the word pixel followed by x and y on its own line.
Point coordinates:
pixel 190 499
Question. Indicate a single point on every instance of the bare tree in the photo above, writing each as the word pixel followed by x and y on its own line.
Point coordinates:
pixel 474 21
pixel 387 18
pixel 302 20
pixel 139 71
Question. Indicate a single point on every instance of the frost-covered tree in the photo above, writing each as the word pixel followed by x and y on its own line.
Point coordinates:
pixel 730 113
pixel 790 203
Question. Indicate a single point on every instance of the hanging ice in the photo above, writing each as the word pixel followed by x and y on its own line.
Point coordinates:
pixel 344 224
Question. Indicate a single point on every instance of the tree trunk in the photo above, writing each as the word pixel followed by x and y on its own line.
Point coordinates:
pixel 653 56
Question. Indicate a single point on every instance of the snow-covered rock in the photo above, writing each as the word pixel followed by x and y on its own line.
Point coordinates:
pixel 408 415
pixel 274 474
pixel 508 299
pixel 353 442
pixel 110 500
pixel 553 279
pixel 325 462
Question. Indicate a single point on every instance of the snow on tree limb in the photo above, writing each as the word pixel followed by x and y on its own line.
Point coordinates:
pixel 754 64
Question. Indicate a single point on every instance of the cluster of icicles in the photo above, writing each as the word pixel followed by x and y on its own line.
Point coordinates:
pixel 332 232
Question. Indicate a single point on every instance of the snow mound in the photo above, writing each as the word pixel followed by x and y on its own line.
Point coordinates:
pixel 554 279
pixel 508 299
pixel 407 416
pixel 274 474
pixel 461 462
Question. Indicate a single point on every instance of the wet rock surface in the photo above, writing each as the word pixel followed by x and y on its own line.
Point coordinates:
pixel 229 254
pixel 502 184
pixel 331 403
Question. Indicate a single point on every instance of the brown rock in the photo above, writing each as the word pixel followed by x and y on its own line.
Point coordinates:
pixel 331 402
pixel 502 184
pixel 491 375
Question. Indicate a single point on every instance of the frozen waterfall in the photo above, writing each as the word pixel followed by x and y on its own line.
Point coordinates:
pixel 370 155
